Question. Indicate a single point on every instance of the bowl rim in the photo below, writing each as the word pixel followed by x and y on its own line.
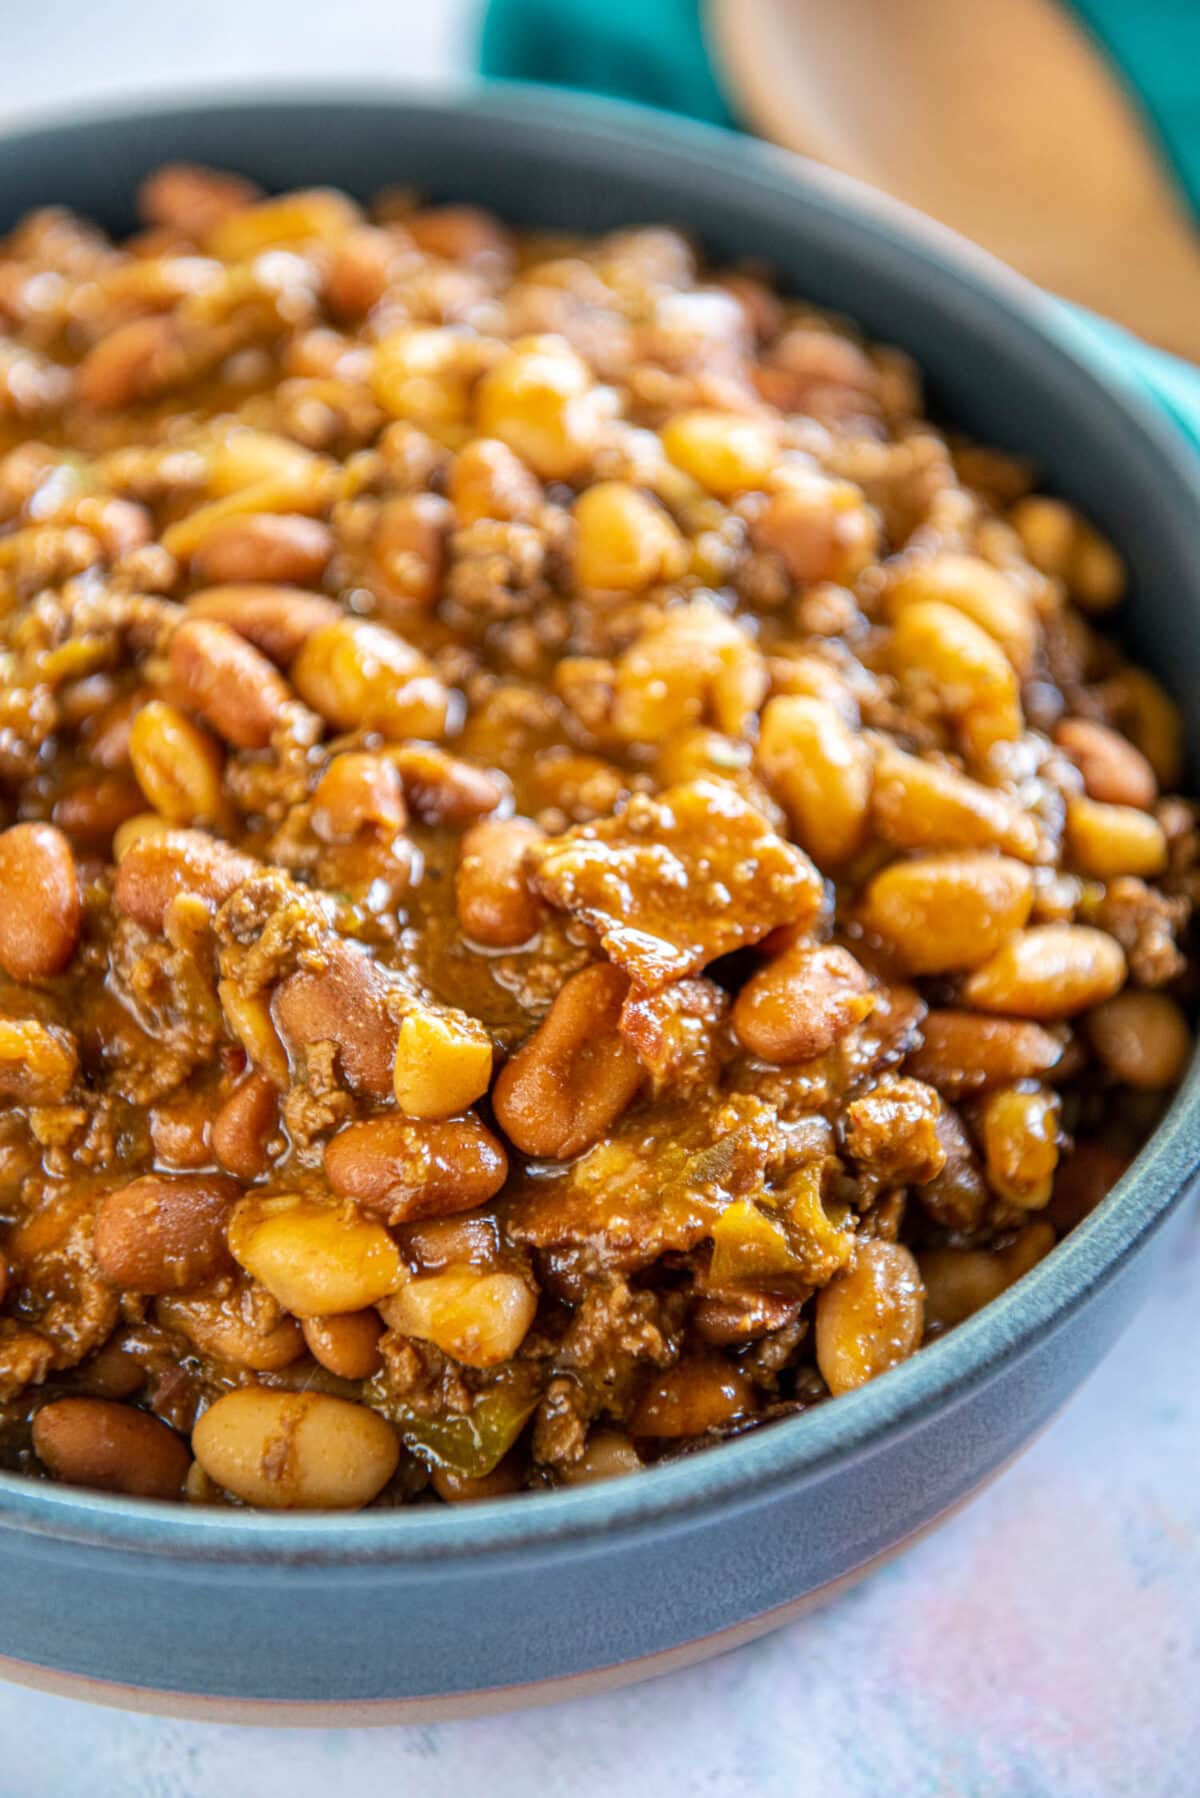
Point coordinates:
pixel 743 1471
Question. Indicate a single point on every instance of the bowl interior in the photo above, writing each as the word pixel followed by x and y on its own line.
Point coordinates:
pixel 999 362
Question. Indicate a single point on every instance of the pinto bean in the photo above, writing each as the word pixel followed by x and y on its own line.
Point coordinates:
pixel 576 1074
pixel 697 1395
pixel 443 789
pixel 798 1006
pixel 183 197
pixel 342 1003
pixel 111 1447
pixel 346 1344
pixel 356 792
pixel 40 913
pixel 264 546
pixel 963 1052
pixel 158 868
pixel 1114 770
pixel 229 682
pixel 1142 1038
pixel 279 620
pixel 236 1321
pixel 408 1168
pixel 497 905
pixel 165 1233
pixel 242 1129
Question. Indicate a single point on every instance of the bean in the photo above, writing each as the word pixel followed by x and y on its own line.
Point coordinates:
pixel 488 481
pixel 920 804
pixel 971 675
pixel 229 682
pixel 1085 1177
pixel 939 913
pixel 343 1003
pixel 128 364
pixel 358 792
pixel 458 233
pixel 820 770
pixel 798 1006
pixel 823 529
pixel 346 1345
pixel 1050 971
pixel 163 1234
pixel 608 1456
pixel 360 676
pixel 409 546
pixel 1142 1038
pixel 236 1321
pixel 1154 722
pixel 406 1168
pixel 264 546
pixel 443 1063
pixel 38 1062
pixel 870 1317
pixel 296 1451
pixel 990 598
pixel 963 1052
pixel 243 1127
pixel 1108 841
pixel 302 216
pixel 697 1395
pixel 180 1133
pixel 110 1447
pixel 1021 1138
pixel 463 1489
pixel 156 869
pixel 91 812
pixel 177 765
pixel 443 789
pixel 279 620
pixel 541 401
pixel 359 271
pixel 726 453
pixel 624 542
pixel 477 1316
pixel 571 1080
pixel 497 905
pixel 317 1259
pixel 959 1282
pixel 183 197
pixel 1114 771
pixel 40 913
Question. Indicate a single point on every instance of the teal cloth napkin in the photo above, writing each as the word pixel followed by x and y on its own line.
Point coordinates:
pixel 653 51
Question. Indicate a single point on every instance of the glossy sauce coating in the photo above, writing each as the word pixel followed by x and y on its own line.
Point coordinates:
pixel 575 876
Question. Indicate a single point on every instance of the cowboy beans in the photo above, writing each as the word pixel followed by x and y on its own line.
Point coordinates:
pixel 573 874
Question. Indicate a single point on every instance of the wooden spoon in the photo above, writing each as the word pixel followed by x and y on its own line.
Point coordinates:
pixel 1005 122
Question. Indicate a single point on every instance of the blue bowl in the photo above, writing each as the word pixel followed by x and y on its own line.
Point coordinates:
pixel 439 1611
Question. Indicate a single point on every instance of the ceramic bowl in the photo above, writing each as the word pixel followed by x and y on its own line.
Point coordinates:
pixel 386 1614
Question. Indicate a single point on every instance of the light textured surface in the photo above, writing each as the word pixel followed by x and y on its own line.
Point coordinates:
pixel 1045 1644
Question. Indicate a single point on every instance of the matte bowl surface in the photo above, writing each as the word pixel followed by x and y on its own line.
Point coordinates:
pixel 390 1614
